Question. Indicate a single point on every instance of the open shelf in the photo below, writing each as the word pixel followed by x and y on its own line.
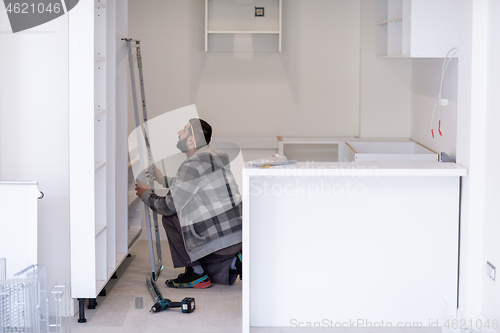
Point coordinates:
pixel 135 211
pixel 100 137
pixel 99 229
pixel 100 257
pixel 398 18
pixel 133 234
pixel 99 112
pixel 120 257
pixel 99 4
pixel 131 194
pixel 133 162
pixel 99 165
pixel 135 216
pixel 397 56
pixel 99 285
pixel 227 17
pixel 132 201
pixel 395 38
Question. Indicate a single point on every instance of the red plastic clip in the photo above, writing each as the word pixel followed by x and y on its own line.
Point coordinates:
pixel 432 131
pixel 439 129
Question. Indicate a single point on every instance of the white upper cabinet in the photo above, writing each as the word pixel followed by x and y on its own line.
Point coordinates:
pixel 417 28
pixel 98 237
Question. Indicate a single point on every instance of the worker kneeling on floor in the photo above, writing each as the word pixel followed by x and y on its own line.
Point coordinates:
pixel 201 212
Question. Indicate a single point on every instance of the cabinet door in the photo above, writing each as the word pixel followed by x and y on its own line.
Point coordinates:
pixel 434 27
pixel 417 28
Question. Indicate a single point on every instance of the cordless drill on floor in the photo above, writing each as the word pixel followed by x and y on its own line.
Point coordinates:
pixel 187 305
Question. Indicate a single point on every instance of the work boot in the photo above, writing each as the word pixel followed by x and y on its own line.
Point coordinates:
pixel 233 273
pixel 239 265
pixel 189 279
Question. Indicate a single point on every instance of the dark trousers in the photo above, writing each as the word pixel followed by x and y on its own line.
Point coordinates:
pixel 217 265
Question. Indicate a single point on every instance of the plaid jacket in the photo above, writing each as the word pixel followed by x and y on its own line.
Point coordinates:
pixel 206 198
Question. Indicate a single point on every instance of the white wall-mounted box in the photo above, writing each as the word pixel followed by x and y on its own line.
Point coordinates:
pixel 417 28
pixel 388 152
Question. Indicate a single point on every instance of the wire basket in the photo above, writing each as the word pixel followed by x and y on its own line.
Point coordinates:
pixel 59 313
pixel 19 305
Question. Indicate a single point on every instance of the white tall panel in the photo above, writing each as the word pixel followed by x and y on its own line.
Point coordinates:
pixel 121 89
pixel 97 154
pixel 81 140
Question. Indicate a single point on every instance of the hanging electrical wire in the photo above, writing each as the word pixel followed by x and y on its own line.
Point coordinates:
pixel 446 62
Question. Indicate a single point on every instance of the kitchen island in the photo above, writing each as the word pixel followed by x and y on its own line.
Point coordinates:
pixel 375 243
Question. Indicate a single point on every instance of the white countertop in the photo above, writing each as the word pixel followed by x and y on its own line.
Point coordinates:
pixel 360 169
pixel 334 139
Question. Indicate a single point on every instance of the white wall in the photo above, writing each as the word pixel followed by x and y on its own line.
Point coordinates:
pixel 327 81
pixel 471 125
pixel 491 289
pixel 172 41
pixel 34 129
pixel 313 87
pixel 425 81
pixel 385 101
pixel 320 85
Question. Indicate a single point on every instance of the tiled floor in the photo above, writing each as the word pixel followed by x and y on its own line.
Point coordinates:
pixel 218 308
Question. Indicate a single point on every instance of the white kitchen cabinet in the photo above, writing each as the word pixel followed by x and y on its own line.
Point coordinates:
pixel 97 158
pixel 372 151
pixel 389 233
pixel 417 28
